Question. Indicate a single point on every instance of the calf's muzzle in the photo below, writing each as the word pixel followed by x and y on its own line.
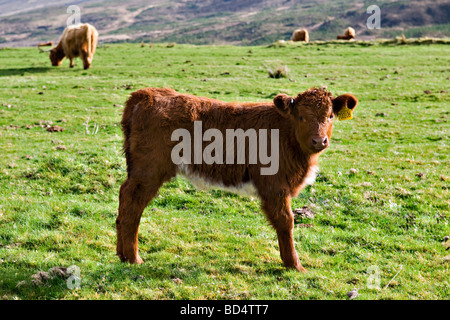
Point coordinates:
pixel 320 143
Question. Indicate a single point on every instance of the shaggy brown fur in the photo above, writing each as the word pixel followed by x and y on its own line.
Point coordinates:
pixel 300 35
pixel 151 115
pixel 348 35
pixel 76 41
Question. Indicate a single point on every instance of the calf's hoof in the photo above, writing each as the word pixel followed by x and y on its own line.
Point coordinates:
pixel 302 270
pixel 296 266
pixel 136 260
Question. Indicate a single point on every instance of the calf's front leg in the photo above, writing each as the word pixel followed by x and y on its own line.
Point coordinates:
pixel 278 212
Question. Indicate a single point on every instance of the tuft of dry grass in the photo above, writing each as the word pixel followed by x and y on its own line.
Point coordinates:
pixel 278 72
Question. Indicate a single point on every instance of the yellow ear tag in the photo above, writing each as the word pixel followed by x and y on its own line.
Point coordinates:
pixel 345 114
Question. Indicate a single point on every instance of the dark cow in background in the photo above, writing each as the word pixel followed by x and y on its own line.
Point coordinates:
pixel 78 40
pixel 304 123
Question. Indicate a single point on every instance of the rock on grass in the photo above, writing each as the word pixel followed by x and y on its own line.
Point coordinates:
pixel 55 129
pixel 353 294
pixel 41 277
pixel 303 212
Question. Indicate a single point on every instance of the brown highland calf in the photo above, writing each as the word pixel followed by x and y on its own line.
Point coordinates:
pixel 78 40
pixel 304 124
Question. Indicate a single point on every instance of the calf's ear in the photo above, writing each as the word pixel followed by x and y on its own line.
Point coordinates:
pixel 343 101
pixel 284 104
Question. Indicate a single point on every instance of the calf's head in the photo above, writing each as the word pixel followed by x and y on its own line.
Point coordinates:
pixel 311 114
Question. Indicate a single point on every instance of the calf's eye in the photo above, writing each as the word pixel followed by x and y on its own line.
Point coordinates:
pixel 301 118
pixel 331 117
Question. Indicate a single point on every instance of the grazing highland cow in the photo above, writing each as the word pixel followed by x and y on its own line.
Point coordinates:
pixel 348 35
pixel 76 41
pixel 299 129
pixel 300 35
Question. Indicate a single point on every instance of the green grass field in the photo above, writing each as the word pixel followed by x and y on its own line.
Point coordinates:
pixel 381 200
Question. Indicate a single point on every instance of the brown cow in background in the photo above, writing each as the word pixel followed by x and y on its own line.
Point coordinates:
pixel 349 34
pixel 151 116
pixel 76 41
pixel 300 35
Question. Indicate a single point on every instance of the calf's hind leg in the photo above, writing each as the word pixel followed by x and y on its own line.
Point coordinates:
pixel 134 196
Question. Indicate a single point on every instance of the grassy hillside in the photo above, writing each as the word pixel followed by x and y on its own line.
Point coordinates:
pixel 223 21
pixel 381 199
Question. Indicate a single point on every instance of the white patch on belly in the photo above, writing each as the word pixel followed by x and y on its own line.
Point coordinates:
pixel 245 189
pixel 311 175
